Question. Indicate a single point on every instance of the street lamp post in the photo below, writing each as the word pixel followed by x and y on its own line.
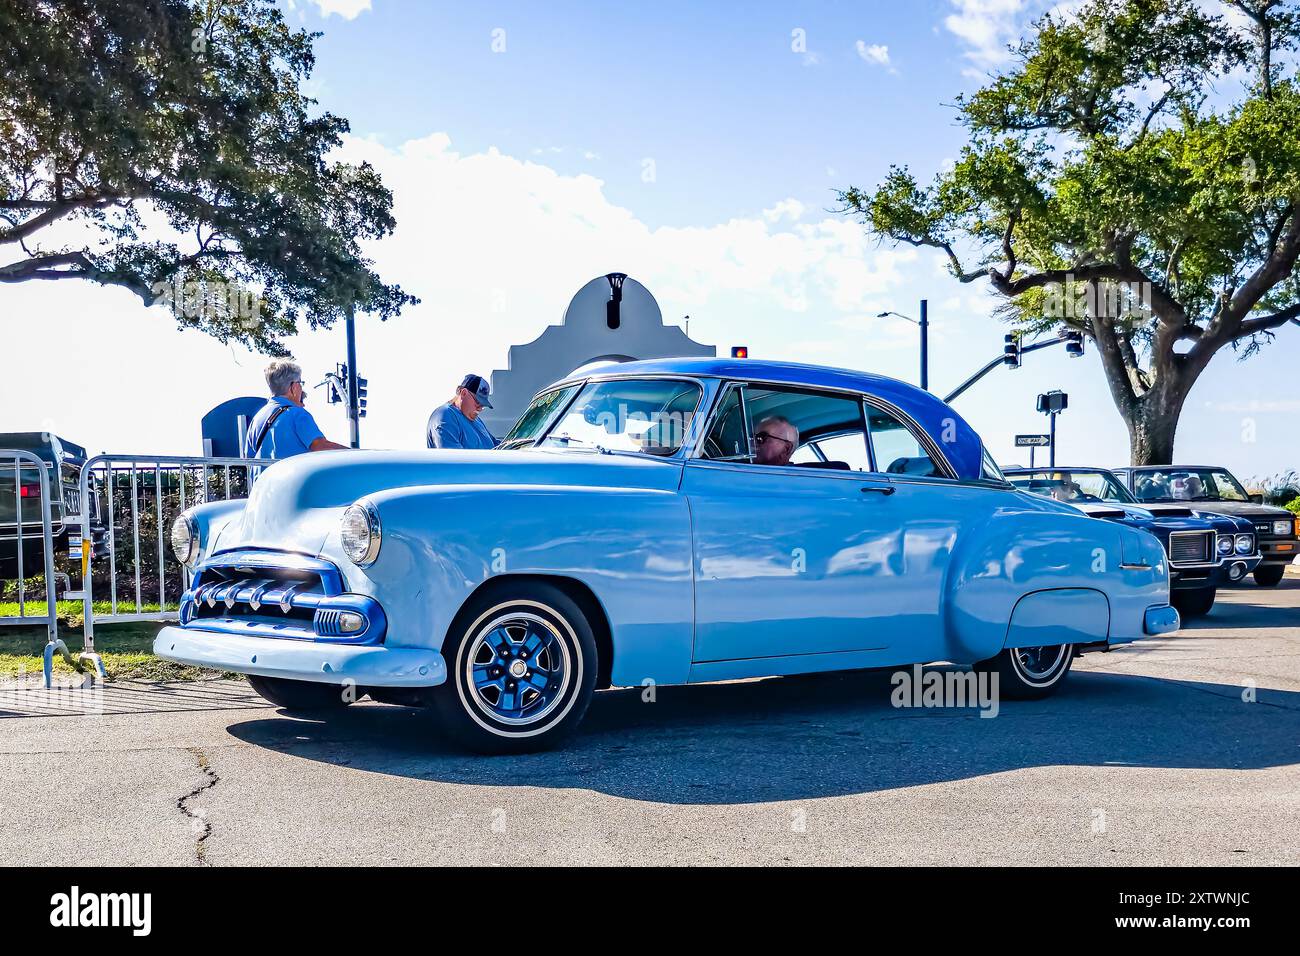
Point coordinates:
pixel 924 325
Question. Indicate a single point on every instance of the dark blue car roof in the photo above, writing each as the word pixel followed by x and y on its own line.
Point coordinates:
pixel 949 430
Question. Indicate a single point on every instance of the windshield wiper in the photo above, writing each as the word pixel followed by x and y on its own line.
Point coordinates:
pixel 570 440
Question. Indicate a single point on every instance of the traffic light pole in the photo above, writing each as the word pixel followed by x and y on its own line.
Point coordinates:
pixel 925 344
pixel 1024 350
pixel 354 420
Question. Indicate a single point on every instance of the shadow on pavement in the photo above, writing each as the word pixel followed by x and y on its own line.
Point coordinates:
pixel 820 736
pixel 1246 606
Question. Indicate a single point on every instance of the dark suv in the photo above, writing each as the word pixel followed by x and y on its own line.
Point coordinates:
pixel 63 462
pixel 1212 488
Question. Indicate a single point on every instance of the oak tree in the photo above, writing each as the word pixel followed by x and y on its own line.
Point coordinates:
pixel 1133 175
pixel 168 147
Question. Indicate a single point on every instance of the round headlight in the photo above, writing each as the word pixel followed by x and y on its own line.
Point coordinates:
pixel 359 534
pixel 1245 544
pixel 1225 544
pixel 1282 527
pixel 185 540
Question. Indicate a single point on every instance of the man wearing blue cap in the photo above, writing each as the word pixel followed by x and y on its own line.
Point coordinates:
pixel 456 424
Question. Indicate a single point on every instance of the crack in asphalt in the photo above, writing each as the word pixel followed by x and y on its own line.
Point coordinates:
pixel 200 819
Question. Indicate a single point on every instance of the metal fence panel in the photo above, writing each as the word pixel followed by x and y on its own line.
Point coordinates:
pixel 19 462
pixel 140 496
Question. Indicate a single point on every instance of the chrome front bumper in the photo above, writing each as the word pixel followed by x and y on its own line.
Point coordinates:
pixel 364 665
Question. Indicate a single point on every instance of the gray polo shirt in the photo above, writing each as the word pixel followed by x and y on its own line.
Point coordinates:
pixel 449 428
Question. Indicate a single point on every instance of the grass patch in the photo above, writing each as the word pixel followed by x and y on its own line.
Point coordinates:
pixel 70 613
pixel 127 650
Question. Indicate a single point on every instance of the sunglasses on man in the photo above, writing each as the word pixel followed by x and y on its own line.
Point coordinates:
pixel 764 437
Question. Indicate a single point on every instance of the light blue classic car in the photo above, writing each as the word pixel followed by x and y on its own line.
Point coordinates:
pixel 663 522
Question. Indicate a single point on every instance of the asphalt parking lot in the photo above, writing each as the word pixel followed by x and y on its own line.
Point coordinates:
pixel 1181 750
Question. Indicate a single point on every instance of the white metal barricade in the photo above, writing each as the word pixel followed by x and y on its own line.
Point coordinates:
pixel 159 488
pixel 17 462
pixel 25 464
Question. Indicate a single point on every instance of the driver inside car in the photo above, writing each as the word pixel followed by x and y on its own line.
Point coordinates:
pixel 775 440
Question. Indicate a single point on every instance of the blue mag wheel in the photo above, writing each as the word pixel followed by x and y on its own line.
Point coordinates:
pixel 521 669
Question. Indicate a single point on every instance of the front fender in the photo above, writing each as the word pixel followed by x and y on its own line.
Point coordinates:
pixel 218 524
pixel 630 547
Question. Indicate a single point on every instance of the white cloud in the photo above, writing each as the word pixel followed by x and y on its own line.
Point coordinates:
pixel 986 27
pixel 876 53
pixel 347 9
pixel 786 208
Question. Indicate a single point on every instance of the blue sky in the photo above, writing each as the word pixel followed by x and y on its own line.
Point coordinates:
pixel 695 146
pixel 717 94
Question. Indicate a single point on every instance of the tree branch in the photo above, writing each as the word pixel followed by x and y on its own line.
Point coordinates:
pixel 50 267
pixel 1266 323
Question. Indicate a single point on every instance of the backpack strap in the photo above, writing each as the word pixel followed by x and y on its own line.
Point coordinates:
pixel 266 429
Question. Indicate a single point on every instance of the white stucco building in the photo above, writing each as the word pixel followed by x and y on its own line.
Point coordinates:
pixel 611 319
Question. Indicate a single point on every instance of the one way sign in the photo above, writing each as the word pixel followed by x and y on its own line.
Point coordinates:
pixel 1033 441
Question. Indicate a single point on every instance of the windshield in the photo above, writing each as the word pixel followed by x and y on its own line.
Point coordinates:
pixel 537 416
pixel 650 416
pixel 1073 486
pixel 1187 484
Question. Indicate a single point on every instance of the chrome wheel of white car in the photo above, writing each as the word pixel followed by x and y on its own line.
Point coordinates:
pixel 521 669
pixel 1027 673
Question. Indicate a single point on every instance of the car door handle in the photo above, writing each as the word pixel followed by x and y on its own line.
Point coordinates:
pixel 880 489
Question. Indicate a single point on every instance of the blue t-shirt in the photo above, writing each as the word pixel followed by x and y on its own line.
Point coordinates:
pixel 290 434
pixel 449 428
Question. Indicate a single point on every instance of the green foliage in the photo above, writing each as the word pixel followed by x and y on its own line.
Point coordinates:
pixel 1122 152
pixel 177 131
pixel 1281 490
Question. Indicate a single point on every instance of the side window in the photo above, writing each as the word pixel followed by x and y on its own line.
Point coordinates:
pixel 898 451
pixel 989 469
pixel 727 439
pixel 762 425
pixel 848 447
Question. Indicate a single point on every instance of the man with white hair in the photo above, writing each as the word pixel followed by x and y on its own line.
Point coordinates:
pixel 775 440
pixel 284 428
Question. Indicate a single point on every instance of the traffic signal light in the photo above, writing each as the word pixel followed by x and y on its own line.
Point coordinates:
pixel 1073 342
pixel 740 351
pixel 362 388
pixel 1056 401
pixel 1010 351
pixel 336 385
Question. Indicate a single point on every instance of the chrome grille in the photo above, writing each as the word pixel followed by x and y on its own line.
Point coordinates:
pixel 1191 547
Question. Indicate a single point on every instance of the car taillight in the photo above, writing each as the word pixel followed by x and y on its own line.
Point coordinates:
pixel 29 491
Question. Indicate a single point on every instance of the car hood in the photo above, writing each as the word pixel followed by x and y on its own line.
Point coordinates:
pixel 1114 512
pixel 1221 521
pixel 1238 509
pixel 295 503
